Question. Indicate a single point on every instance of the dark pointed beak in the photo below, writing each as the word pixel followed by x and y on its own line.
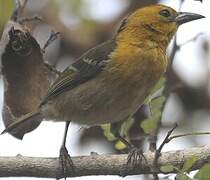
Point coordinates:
pixel 184 17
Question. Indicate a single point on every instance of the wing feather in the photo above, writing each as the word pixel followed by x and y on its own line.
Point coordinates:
pixel 85 68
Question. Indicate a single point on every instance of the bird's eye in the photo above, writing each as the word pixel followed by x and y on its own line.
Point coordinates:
pixel 165 13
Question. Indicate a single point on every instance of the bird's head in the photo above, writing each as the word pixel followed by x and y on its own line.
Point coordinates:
pixel 157 22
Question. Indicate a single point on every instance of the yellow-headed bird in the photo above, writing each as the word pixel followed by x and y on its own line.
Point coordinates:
pixel 110 81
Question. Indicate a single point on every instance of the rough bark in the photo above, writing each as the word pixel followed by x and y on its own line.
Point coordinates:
pixel 20 166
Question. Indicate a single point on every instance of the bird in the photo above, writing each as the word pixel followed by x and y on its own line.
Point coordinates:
pixel 109 82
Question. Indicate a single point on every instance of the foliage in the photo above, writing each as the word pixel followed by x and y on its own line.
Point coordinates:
pixel 155 102
pixel 124 130
pixel 181 172
pixel 6 8
pixel 203 173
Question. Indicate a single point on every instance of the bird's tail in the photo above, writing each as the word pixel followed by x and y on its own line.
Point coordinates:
pixel 21 120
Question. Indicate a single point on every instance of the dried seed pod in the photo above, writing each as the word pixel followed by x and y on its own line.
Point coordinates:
pixel 26 78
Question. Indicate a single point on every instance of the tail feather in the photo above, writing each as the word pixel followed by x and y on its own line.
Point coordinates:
pixel 21 120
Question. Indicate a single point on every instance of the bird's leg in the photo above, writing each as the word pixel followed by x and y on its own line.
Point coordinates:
pixel 65 160
pixel 115 130
pixel 135 155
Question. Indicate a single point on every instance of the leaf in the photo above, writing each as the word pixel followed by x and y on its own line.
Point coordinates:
pixel 189 163
pixel 155 101
pixel 150 124
pixel 123 129
pixel 107 132
pixel 167 168
pixel 119 145
pixel 186 167
pixel 157 88
pixel 203 173
pixel 182 176
pixel 6 8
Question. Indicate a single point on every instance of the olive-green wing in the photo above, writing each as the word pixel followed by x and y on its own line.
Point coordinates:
pixel 85 68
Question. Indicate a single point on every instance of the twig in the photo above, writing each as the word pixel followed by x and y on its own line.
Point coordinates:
pixel 53 36
pixel 153 135
pixel 191 40
pixel 181 3
pixel 188 134
pixel 168 139
pixel 23 7
pixel 176 47
pixel 52 69
pixel 165 141
pixel 174 50
pixel 15 14
pixel 155 176
pixel 18 9
pixel 158 151
pixel 199 0
pixel 35 18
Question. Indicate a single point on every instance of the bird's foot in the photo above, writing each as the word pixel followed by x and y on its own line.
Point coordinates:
pixel 135 158
pixel 65 162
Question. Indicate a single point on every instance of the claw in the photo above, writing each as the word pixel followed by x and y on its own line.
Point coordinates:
pixel 134 157
pixel 65 162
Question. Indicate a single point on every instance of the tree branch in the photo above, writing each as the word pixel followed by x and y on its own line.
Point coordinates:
pixel 20 166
